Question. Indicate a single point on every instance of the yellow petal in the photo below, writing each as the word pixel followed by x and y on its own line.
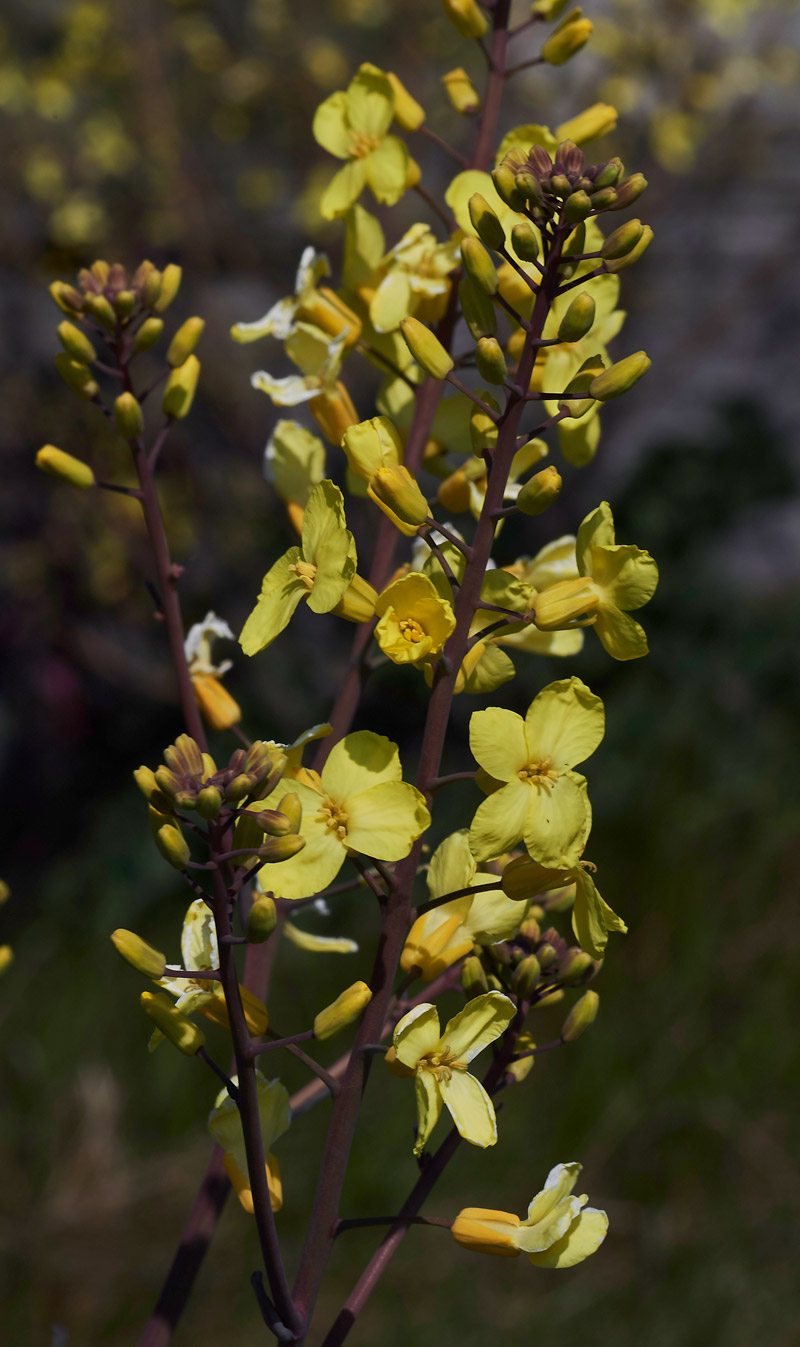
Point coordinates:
pixel 391 301
pixel 281 591
pixel 559 1184
pixel 597 529
pixel 416 1034
pixel 429 1107
pixel 558 822
pixel 344 188
pixel 592 918
pixel 330 127
pixel 360 760
pixel 482 1020
pixel 452 865
pixel 497 742
pixel 500 821
pixel 199 937
pixel 386 820
pixel 470 1107
pixel 583 1238
pixel 387 170
pixel 370 101
pixel 313 868
pixel 565 723
pixel 620 634
pixel 318 944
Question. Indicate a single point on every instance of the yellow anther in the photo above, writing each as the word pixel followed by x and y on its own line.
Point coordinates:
pixel 305 571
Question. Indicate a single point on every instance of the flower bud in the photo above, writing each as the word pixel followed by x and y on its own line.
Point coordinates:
pixel 577 207
pixel 604 199
pixel 139 954
pixel 261 919
pixel 477 308
pixel 6 957
pixel 490 360
pixel 524 242
pixel 128 416
pixel 620 263
pixel 184 341
pixel 76 376
pixel 63 466
pixel 571 34
pixel 473 977
pixel 609 174
pixel 180 387
pixel 273 822
pixel 560 185
pixel 148 334
pixel 357 604
pixel 582 1014
pixel 99 308
pixel 540 492
pixel 619 377
pixel 170 285
pixel 530 930
pixel 220 710
pixel 590 124
pixel 292 808
pixel 208 802
pixel 281 848
pixel 76 343
pixel 124 303
pixel 334 413
pixel 548 10
pixel 574 966
pixel 145 779
pixel 481 1230
pixel 370 445
pixel 151 287
pixel 482 429
pixel 620 242
pixel 547 955
pixel 69 300
pixel 397 494
pixel 408 113
pixel 426 348
pixel 176 1027
pixel 526 976
pixel 486 222
pixel 343 1011
pixel 5 892
pixel 505 184
pixel 578 319
pixel 466 17
pixel 629 190
pixel 172 844
pixel 479 266
pixel 462 93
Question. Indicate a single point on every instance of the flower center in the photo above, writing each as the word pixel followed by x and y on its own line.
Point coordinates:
pixel 442 1063
pixel 305 572
pixel 334 818
pixel 539 773
pixel 360 146
pixel 411 629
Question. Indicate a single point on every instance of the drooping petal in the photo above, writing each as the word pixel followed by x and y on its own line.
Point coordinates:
pixel 482 1020
pixel 497 742
pixel 558 822
pixel 286 392
pixel 276 322
pixel 592 918
pixel 565 723
pixel 387 170
pixel 330 126
pixel 621 635
pixel 225 1125
pixel 360 760
pixel 500 821
pixel 391 301
pixel 429 1107
pixel 583 1238
pixel 344 188
pixel 416 1034
pixel 281 591
pixel 493 669
pixel 470 1107
pixel 386 820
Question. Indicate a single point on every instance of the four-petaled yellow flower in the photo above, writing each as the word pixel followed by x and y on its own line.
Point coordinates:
pixel 225 1126
pixel 541 800
pixel 559 1231
pixel 319 570
pixel 353 125
pixel 621 578
pixel 415 622
pixel 442 936
pixel 359 805
pixel 440 1064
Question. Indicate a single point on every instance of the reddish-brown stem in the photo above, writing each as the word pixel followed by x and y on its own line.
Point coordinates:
pixel 484 148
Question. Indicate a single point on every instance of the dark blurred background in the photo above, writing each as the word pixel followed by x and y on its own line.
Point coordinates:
pixel 181 131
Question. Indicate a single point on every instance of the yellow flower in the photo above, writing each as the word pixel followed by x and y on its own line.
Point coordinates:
pixel 415 622
pixel 415 273
pixel 225 1126
pixel 621 578
pixel 319 359
pixel 200 952
pixel 294 463
pixel 372 445
pixel 218 706
pixel 360 804
pixel 319 570
pixel 440 1063
pixel 353 125
pixel 592 918
pixel 445 934
pixel 559 1231
pixel 542 801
